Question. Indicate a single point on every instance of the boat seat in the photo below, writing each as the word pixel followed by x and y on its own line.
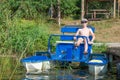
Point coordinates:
pixel 65 46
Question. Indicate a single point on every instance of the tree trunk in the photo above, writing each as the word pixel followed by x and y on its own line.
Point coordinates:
pixel 59 23
pixel 51 11
pixel 114 13
pixel 82 9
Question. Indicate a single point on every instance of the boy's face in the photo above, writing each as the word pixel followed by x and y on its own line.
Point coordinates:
pixel 84 23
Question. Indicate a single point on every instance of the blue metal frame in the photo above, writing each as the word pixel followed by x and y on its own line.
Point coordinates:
pixel 49 48
pixel 70 52
pixel 66 57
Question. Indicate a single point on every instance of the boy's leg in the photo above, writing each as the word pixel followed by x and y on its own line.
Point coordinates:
pixel 86 46
pixel 76 50
pixel 80 40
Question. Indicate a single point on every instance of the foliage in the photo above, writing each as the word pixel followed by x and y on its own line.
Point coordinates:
pixel 99 5
pixel 68 7
pixel 18 33
pixel 32 9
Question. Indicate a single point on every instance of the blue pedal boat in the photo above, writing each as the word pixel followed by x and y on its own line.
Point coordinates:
pixel 64 51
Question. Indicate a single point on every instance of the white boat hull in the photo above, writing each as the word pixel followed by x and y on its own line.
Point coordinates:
pixel 37 67
pixel 97 69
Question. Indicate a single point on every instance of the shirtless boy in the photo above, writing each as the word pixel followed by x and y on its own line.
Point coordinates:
pixel 84 31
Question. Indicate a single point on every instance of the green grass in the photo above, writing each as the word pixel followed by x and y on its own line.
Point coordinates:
pixel 99 49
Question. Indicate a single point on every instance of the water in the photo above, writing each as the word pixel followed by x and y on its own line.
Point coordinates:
pixel 7 67
pixel 66 74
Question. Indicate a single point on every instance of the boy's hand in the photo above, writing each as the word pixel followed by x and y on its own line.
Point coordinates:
pixel 91 42
pixel 75 38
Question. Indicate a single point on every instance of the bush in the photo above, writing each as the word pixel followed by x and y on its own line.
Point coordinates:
pixel 21 34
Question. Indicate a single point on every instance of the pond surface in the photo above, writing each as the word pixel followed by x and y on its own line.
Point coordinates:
pixel 66 74
pixel 8 66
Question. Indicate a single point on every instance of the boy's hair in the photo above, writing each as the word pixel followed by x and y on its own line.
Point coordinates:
pixel 84 20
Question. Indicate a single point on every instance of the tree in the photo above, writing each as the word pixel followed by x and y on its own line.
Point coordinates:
pixel 69 7
pixel 58 12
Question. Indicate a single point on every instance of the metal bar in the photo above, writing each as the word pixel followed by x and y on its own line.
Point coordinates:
pixel 49 47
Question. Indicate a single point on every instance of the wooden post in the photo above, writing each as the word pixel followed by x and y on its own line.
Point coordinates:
pixel 114 12
pixel 118 8
pixel 82 9
pixel 86 6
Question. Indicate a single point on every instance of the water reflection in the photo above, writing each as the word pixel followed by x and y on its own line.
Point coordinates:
pixel 36 77
pixel 63 75
pixel 91 77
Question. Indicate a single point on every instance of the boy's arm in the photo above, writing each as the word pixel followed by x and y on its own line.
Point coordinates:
pixel 93 35
pixel 77 33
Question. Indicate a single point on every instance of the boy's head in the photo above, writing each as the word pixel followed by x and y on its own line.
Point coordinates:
pixel 84 22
